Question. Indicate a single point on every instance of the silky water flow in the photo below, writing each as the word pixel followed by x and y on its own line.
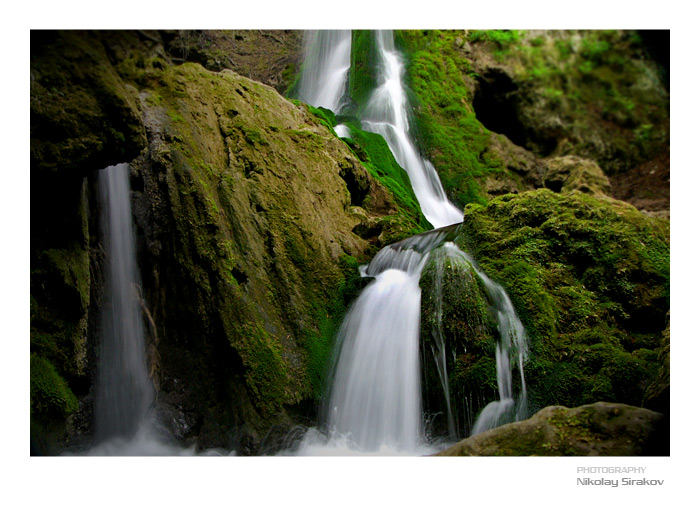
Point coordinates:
pixel 125 422
pixel 374 402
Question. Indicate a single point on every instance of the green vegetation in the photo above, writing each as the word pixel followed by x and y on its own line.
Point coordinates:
pixel 590 280
pixel 363 68
pixel 266 372
pixel 376 157
pixel 592 75
pixel 321 342
pixel 51 398
pixel 374 153
pixel 503 40
pixel 439 78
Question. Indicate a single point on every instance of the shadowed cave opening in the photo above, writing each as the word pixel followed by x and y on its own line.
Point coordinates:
pixel 496 107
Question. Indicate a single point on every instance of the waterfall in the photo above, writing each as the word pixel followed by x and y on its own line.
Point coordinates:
pixel 124 419
pixel 374 404
pixel 124 389
pixel 387 114
pixel 324 78
pixel 375 400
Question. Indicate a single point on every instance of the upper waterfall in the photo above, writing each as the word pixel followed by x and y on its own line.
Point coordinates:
pixel 323 80
pixel 387 114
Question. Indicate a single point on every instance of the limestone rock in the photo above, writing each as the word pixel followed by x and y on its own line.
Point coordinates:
pixel 570 173
pixel 600 429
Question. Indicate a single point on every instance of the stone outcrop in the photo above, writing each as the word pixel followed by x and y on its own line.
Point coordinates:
pixel 569 173
pixel 249 215
pixel 597 95
pixel 600 429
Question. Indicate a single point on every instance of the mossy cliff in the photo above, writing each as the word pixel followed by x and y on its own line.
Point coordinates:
pixel 589 277
pixel 251 217
pixel 494 106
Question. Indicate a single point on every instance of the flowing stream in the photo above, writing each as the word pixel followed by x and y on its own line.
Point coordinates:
pixel 387 113
pixel 374 406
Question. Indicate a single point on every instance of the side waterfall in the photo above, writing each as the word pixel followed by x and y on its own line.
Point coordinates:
pixel 125 423
pixel 512 344
pixel 375 400
pixel 124 390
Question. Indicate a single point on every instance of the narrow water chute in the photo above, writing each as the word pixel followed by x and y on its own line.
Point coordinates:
pixel 124 390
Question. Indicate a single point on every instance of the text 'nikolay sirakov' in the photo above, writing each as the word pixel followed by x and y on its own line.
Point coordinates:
pixel 615 482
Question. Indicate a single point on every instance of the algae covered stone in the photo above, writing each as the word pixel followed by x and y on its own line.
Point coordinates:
pixel 590 279
pixel 600 429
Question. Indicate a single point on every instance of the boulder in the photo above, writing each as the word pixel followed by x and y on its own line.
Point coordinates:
pixel 569 173
pixel 600 429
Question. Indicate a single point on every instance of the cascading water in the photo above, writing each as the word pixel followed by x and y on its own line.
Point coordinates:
pixel 124 389
pixel 124 420
pixel 387 114
pixel 512 344
pixel 375 401
pixel 323 82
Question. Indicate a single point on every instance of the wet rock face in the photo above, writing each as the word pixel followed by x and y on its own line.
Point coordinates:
pixel 600 429
pixel 82 115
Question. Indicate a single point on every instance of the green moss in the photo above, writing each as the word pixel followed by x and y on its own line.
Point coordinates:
pixel 374 153
pixel 51 398
pixel 265 370
pixel 601 75
pixel 589 279
pixel 362 78
pixel 502 38
pixel 320 342
pixel 438 76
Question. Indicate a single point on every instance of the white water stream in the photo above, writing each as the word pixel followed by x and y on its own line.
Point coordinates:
pixel 374 405
pixel 387 114
pixel 125 423
pixel 124 389
pixel 324 79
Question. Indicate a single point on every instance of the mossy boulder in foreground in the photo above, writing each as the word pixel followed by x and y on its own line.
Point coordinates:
pixel 600 429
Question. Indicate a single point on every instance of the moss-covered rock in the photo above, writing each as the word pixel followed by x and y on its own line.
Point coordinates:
pixel 251 216
pixel 600 429
pixel 458 339
pixel 589 277
pixel 257 208
pixel 593 94
pixel 82 115
pixel 569 173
